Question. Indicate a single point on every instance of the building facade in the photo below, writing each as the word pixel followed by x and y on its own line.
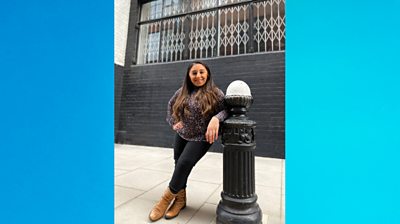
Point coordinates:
pixel 239 40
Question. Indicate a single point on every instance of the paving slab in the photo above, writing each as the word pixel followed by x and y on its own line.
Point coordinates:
pixel 269 199
pixel 283 209
pixel 142 179
pixel 206 214
pixel 212 160
pixel 207 174
pixel 135 211
pixel 132 162
pixel 274 220
pixel 118 172
pixel 123 194
pixel 166 165
pixel 216 196
pixel 268 178
pixel 142 174
pixel 283 177
pixel 268 164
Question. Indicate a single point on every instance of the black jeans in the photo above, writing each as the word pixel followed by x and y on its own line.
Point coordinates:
pixel 186 155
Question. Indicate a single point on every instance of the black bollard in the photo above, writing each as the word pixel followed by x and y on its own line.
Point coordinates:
pixel 238 204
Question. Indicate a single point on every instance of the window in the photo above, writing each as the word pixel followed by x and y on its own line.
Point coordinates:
pixel 174 30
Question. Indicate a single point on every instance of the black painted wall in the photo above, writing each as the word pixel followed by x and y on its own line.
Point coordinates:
pixel 118 75
pixel 146 89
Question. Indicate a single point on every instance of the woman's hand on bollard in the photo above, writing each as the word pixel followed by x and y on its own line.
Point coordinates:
pixel 212 130
pixel 177 126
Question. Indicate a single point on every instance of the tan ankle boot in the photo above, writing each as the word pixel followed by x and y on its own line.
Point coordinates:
pixel 177 206
pixel 159 209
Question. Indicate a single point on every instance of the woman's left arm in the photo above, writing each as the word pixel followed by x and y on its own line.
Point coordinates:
pixel 213 125
pixel 221 107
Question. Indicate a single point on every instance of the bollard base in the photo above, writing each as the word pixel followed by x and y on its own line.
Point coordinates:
pixel 238 210
pixel 226 217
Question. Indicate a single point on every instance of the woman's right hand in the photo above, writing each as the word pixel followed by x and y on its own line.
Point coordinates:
pixel 177 126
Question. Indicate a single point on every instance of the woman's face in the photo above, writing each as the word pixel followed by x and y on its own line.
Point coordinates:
pixel 198 75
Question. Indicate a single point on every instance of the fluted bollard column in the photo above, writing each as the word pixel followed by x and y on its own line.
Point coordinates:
pixel 238 202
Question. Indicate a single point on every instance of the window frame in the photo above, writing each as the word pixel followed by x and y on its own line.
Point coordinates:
pixel 186 29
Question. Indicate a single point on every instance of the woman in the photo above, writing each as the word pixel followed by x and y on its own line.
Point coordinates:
pixel 194 112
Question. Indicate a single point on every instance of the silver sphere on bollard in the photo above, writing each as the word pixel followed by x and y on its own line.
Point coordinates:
pixel 238 97
pixel 238 88
pixel 238 204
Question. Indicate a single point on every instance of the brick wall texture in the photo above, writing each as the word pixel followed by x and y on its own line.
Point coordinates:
pixel 143 91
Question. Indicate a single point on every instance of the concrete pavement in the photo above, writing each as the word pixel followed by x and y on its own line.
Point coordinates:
pixel 142 173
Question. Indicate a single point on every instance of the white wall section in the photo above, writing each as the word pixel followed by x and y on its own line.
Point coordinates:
pixel 121 20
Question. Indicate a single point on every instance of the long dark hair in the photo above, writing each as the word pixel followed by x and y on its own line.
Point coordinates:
pixel 206 95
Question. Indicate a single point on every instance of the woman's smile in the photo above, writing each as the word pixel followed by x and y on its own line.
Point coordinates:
pixel 198 75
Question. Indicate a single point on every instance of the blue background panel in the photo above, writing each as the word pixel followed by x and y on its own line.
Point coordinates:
pixel 57 112
pixel 342 108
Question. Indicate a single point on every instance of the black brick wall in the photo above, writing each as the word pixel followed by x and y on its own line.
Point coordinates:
pixel 146 89
pixel 118 75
